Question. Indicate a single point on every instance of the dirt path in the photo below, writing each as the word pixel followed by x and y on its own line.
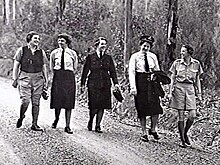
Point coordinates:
pixel 118 145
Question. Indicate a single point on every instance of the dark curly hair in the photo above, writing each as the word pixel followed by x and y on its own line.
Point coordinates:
pixel 67 37
pixel 30 35
pixel 189 49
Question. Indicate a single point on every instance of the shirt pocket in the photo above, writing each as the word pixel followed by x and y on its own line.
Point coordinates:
pixel 193 73
pixel 181 72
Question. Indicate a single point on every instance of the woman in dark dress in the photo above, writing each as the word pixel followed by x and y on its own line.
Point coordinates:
pixel 63 64
pixel 101 70
pixel 141 77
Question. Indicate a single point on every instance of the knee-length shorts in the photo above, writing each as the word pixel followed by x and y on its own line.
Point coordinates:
pixel 183 97
pixel 30 86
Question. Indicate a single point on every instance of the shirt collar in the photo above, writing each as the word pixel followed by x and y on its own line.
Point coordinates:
pixel 143 53
pixel 98 52
pixel 191 60
pixel 29 46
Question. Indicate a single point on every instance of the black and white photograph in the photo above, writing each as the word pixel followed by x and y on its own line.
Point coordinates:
pixel 109 82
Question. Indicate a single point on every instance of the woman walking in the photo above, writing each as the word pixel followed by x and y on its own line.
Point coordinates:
pixel 185 86
pixel 142 66
pixel 63 64
pixel 101 69
pixel 30 74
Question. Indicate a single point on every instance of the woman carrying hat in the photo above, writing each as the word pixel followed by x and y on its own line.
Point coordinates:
pixel 63 64
pixel 141 67
pixel 185 86
pixel 30 74
pixel 101 69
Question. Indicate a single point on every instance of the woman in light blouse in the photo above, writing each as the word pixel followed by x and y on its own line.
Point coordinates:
pixel 185 86
pixel 141 67
pixel 63 64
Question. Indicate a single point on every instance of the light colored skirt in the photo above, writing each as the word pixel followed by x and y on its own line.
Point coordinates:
pixel 183 97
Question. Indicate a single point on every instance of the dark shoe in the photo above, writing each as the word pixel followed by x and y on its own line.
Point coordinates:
pixel 89 126
pixel 54 125
pixel 155 135
pixel 183 145
pixel 187 139
pixel 98 130
pixel 36 128
pixel 145 138
pixel 19 123
pixel 68 130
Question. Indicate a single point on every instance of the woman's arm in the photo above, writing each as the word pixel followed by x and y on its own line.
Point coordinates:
pixel 85 71
pixel 15 70
pixel 113 73
pixel 75 65
pixel 198 87
pixel 51 61
pixel 17 59
pixel 132 73
pixel 172 78
pixel 45 70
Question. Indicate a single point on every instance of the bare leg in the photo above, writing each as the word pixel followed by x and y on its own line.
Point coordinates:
pixel 57 116
pixel 154 120
pixel 68 116
pixel 98 120
pixel 92 113
pixel 143 125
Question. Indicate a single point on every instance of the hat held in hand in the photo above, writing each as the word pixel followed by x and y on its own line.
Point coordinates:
pixel 118 95
pixel 44 94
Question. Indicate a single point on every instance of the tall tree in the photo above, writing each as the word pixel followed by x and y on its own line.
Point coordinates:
pixel 14 3
pixel 147 5
pixel 6 12
pixel 172 29
pixel 62 5
pixel 128 33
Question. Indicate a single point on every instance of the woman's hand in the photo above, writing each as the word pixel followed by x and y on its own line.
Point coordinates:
pixel 116 87
pixel 82 89
pixel 46 84
pixel 15 83
pixel 169 96
pixel 199 96
pixel 133 92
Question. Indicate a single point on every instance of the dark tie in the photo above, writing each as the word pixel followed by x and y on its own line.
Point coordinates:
pixel 146 63
pixel 62 59
pixel 100 54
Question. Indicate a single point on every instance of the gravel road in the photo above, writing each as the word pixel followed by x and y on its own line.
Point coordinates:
pixel 118 145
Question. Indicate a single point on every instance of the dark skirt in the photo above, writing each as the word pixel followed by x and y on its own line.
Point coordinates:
pixel 99 98
pixel 63 90
pixel 146 102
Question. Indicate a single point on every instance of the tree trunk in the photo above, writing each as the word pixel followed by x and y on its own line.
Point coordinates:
pixel 128 34
pixel 6 12
pixel 14 3
pixel 147 5
pixel 171 30
pixel 62 5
